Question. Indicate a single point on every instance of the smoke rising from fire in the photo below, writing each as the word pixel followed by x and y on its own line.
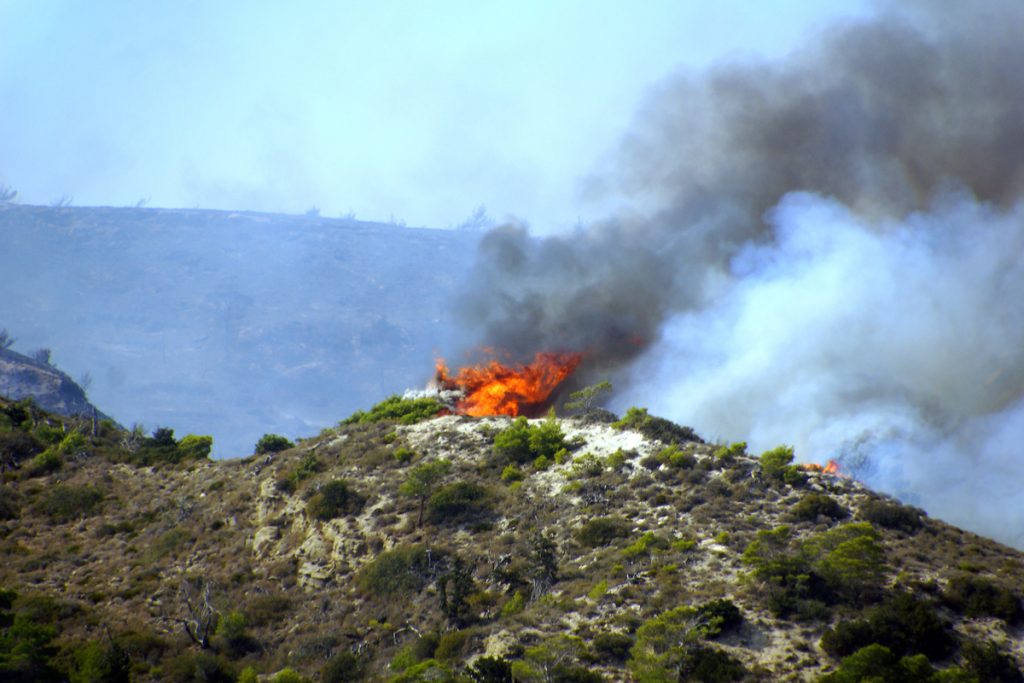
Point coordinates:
pixel 826 251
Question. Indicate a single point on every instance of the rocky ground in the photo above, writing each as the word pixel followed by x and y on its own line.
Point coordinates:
pixel 586 550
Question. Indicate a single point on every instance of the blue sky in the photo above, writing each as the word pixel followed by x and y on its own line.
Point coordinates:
pixel 417 111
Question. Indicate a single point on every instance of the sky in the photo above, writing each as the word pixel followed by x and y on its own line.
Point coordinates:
pixel 411 112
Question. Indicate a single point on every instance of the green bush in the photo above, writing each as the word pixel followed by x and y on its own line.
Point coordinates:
pixel 490 670
pixel 194 447
pixel 405 411
pixel 603 531
pixel 459 500
pixel 64 503
pixel 708 664
pixel 612 647
pixel 891 515
pixel 334 499
pixel 988 663
pixel 46 462
pixel 719 616
pixel 272 443
pixel 404 455
pixel 9 508
pixel 345 667
pixel 405 569
pixel 522 442
pixel 904 624
pixel 815 505
pixel 674 457
pixel 657 428
pixel 976 596
pixel 878 663
pixel 16 447
pixel 776 466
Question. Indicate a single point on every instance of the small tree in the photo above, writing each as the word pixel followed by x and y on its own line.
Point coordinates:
pixel 272 443
pixel 6 340
pixel 543 563
pixel 422 481
pixel 583 400
pixel 200 617
pixel 7 193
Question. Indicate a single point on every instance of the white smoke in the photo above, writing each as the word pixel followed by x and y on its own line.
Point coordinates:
pixel 893 346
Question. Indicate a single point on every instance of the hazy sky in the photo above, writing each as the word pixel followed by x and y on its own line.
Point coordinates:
pixel 417 111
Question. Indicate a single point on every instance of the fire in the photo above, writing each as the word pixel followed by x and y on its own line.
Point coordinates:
pixel 494 388
pixel 831 467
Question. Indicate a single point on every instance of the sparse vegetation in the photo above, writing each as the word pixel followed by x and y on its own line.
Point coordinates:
pixel 397 409
pixel 629 574
pixel 657 428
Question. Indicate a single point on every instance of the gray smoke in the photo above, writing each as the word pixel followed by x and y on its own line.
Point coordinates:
pixel 826 251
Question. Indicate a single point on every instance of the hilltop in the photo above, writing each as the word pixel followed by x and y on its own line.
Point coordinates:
pixel 403 546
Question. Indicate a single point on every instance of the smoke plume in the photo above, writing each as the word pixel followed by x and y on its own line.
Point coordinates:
pixel 826 251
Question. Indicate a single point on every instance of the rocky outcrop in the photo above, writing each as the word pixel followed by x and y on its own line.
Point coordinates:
pixel 23 377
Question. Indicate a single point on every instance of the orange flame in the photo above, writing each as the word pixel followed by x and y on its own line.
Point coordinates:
pixel 496 389
pixel 831 467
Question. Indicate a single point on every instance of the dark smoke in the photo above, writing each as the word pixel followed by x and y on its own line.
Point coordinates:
pixel 828 250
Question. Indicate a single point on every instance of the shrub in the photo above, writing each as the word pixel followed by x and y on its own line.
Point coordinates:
pixel 776 466
pixel 490 670
pixel 458 500
pixel 612 647
pixel 587 465
pixel 602 531
pixel 719 616
pixel 522 442
pixel 871 663
pixel 726 454
pixel 104 663
pixel 48 461
pixel 345 667
pixel 405 411
pixel 9 508
pixel 815 505
pixel 194 447
pixel 404 569
pixel 404 455
pixel 334 499
pixel 272 443
pixel 667 649
pixel 709 664
pixel 976 596
pixel 511 473
pixel 673 457
pixel 657 428
pixel 289 675
pixel 18 446
pixel 891 515
pixel 904 624
pixel 988 663
pixel 64 503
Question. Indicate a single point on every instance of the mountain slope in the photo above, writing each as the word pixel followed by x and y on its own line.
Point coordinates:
pixel 559 549
pixel 231 324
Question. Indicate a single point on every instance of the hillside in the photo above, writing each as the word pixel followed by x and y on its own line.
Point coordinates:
pixel 231 324
pixel 23 377
pixel 457 548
